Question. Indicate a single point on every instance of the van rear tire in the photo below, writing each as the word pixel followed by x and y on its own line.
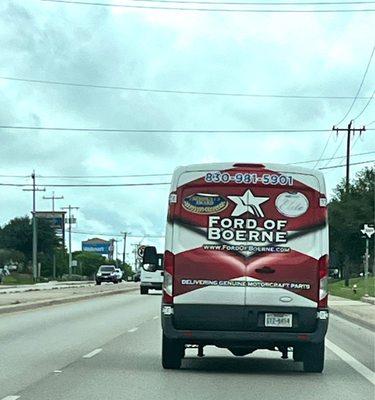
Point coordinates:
pixel 313 357
pixel 172 353
pixel 144 290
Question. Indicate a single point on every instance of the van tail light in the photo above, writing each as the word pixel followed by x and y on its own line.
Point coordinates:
pixel 168 277
pixel 323 281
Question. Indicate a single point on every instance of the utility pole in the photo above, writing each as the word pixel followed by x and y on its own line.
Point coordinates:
pixel 35 231
pixel 70 221
pixel 348 130
pixel 115 241
pixel 123 254
pixel 53 198
pixel 368 231
pixel 135 245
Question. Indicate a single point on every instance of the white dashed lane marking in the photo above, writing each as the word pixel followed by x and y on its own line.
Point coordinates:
pixel 132 330
pixel 11 398
pixel 93 353
pixel 156 317
pixel 355 364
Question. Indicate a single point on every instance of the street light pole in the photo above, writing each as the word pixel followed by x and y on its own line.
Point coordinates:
pixel 53 198
pixel 123 254
pixel 35 231
pixel 70 208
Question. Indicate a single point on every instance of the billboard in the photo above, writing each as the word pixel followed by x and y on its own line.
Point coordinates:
pixel 56 218
pixel 97 245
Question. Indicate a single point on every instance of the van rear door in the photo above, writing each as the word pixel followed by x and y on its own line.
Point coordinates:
pixel 209 282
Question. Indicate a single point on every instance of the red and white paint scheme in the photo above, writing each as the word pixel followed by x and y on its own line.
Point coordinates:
pixel 243 243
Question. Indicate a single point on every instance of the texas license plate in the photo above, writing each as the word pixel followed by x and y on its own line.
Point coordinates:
pixel 278 320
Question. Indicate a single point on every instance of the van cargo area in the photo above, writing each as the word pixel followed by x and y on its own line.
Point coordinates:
pixel 246 262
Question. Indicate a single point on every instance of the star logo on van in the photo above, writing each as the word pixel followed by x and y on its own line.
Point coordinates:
pixel 248 203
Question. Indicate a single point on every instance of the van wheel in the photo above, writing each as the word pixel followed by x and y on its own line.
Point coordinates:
pixel 172 353
pixel 313 357
pixel 144 290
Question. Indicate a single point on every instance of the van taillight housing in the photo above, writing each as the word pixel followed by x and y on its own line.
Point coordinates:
pixel 323 281
pixel 168 277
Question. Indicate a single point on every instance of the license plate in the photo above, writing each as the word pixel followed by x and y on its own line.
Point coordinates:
pixel 278 320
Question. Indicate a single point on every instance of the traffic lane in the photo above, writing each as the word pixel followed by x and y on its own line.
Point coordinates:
pixel 130 367
pixel 34 343
pixel 358 341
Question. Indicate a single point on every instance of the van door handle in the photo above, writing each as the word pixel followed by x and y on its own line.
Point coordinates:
pixel 265 270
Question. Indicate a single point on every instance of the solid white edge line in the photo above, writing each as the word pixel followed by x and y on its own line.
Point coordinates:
pixel 92 353
pixel 156 317
pixel 351 361
pixel 132 330
pixel 11 398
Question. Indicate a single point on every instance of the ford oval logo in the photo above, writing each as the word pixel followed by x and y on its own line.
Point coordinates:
pixel 285 299
pixel 204 203
pixel 292 204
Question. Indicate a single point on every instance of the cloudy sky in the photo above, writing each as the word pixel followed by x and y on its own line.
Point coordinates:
pixel 318 54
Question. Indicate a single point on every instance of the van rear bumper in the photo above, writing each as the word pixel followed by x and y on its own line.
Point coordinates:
pixel 152 285
pixel 223 338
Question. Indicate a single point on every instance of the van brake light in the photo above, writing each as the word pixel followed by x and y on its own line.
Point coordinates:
pixel 168 277
pixel 323 281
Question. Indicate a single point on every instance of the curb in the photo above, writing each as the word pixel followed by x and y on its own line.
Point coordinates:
pixel 46 303
pixel 358 321
pixel 369 300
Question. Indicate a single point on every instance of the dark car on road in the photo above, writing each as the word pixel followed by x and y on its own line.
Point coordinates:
pixel 106 273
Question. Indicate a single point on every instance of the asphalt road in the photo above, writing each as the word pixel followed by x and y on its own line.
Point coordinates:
pixel 109 348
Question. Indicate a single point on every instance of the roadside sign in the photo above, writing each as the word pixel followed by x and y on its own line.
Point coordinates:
pixel 74 263
pixel 368 230
pixel 140 251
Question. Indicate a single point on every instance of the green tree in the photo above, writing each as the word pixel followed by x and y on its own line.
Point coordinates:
pixel 88 262
pixel 347 213
pixel 17 236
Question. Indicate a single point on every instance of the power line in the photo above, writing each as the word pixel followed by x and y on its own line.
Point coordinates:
pixel 334 153
pixel 344 165
pixel 100 176
pixel 118 235
pixel 324 149
pixel 161 174
pixel 255 10
pixel 365 107
pixel 141 184
pixel 114 130
pixel 246 3
pixel 360 86
pixel 90 185
pixel 188 92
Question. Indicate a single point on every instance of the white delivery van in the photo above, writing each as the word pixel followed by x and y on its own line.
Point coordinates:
pixel 246 262
pixel 152 279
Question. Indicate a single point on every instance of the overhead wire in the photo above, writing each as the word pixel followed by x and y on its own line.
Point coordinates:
pixel 360 87
pixel 238 10
pixel 149 175
pixel 365 107
pixel 139 184
pixel 119 130
pixel 324 149
pixel 185 92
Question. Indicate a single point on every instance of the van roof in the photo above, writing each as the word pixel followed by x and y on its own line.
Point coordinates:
pixel 283 168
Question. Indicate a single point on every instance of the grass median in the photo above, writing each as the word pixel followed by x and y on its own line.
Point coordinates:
pixel 339 288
